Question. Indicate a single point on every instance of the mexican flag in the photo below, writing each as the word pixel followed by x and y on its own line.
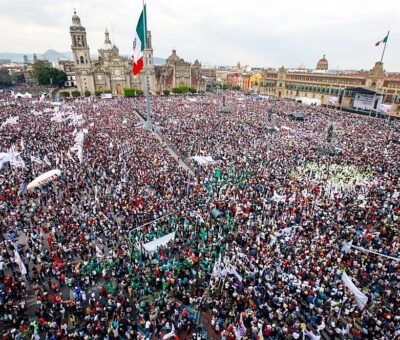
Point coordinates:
pixel 384 40
pixel 139 42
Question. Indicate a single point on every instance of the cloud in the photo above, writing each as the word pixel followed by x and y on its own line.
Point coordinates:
pixel 254 32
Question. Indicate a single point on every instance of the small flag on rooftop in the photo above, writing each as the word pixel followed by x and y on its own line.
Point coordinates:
pixel 384 40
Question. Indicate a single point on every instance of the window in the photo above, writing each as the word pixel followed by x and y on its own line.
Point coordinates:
pixel 82 60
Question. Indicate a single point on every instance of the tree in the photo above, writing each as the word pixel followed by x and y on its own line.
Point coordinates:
pixel 75 94
pixel 5 78
pixel 57 77
pixel 65 94
pixel 192 90
pixel 37 68
pixel 98 93
pixel 17 77
pixel 139 92
pixel 48 75
pixel 181 89
pixel 166 92
pixel 88 93
pixel 128 92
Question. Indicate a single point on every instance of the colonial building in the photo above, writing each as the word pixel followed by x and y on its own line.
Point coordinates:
pixel 335 89
pixel 176 72
pixel 110 71
pixel 322 64
pixel 68 67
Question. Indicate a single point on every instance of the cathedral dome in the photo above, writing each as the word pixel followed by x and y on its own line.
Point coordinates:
pixel 173 58
pixel 107 46
pixel 322 64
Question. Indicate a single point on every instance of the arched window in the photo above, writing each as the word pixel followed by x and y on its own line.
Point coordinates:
pixel 82 60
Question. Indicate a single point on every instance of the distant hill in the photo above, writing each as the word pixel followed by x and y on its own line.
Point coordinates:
pixel 50 55
pixel 159 61
pixel 54 56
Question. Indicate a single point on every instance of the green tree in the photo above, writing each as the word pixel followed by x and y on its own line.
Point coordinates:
pixel 57 77
pixel 128 92
pixel 37 67
pixel 139 92
pixel 47 75
pixel 75 94
pixel 17 77
pixel 5 78
pixel 98 93
pixel 88 93
pixel 166 92
pixel 192 90
pixel 181 89
pixel 65 94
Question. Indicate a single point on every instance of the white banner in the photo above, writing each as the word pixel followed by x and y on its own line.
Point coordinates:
pixel 13 157
pixel 10 121
pixel 333 100
pixel 20 263
pixel 162 241
pixel 4 158
pixel 366 101
pixel 361 298
pixel 385 108
pixel 45 178
pixel 203 159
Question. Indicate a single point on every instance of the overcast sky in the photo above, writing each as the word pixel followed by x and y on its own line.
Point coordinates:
pixel 219 32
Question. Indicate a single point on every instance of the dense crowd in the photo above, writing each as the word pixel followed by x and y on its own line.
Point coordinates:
pixel 264 230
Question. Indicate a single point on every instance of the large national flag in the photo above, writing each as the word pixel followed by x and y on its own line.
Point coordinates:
pixel 139 42
pixel 384 40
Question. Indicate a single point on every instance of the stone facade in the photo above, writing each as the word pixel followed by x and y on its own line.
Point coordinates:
pixel 114 72
pixel 290 84
pixel 322 64
pixel 176 72
pixel 110 71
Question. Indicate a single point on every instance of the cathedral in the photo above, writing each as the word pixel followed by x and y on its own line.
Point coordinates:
pixel 111 71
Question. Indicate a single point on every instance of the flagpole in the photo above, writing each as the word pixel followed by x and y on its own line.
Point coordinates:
pixel 384 48
pixel 149 124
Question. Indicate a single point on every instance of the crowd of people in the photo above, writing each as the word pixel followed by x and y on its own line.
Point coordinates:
pixel 263 232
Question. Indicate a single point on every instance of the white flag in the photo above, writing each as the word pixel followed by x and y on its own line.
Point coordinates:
pixel 20 263
pixel 46 160
pixel 36 160
pixel 170 334
pixel 361 298
pixel 99 252
pixel 346 247
pixel 159 242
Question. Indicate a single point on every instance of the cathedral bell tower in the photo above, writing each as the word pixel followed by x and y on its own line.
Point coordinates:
pixel 81 55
